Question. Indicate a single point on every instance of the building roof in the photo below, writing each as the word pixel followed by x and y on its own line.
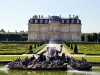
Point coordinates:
pixel 42 20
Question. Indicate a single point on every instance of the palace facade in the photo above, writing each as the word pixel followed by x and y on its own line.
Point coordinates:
pixel 54 27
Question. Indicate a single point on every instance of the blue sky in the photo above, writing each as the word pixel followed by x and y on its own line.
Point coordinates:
pixel 14 14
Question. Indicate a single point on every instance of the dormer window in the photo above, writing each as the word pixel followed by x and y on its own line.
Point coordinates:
pixel 72 21
pixel 67 21
pixel 31 21
pixel 62 21
pixel 41 21
pixel 46 21
pixel 77 21
pixel 36 21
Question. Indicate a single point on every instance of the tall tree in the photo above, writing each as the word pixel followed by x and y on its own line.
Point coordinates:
pixel 2 30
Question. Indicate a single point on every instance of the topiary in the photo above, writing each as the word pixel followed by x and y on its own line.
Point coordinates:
pixel 75 49
pixel 30 49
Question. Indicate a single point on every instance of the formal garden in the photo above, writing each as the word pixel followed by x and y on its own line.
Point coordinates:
pixel 18 49
pixel 90 51
pixel 83 48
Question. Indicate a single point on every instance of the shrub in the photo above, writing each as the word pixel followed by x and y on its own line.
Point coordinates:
pixel 30 49
pixel 35 45
pixel 71 46
pixel 75 49
pixel 38 44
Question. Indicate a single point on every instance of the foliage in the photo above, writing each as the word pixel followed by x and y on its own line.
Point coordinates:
pixel 38 49
pixel 69 50
pixel 38 44
pixel 13 37
pixel 71 46
pixel 94 59
pixel 35 45
pixel 89 48
pixel 91 37
pixel 19 48
pixel 75 49
pixel 10 57
pixel 30 49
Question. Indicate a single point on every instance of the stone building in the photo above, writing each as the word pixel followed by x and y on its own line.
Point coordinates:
pixel 54 27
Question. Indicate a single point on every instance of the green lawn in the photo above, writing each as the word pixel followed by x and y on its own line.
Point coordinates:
pixel 22 57
pixel 86 48
pixel 90 58
pixel 38 48
pixel 18 48
pixel 89 48
pixel 68 49
pixel 10 57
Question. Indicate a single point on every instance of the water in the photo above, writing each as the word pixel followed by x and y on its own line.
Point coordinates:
pixel 5 71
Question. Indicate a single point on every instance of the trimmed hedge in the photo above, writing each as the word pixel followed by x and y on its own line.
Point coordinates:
pixel 11 53
pixel 92 54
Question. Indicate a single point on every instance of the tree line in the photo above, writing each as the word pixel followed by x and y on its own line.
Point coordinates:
pixel 13 37
pixel 90 37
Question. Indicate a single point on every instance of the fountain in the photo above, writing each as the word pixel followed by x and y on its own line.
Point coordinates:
pixel 52 61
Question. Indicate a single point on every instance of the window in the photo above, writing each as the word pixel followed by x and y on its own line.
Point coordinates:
pixel 77 21
pixel 31 21
pixel 67 21
pixel 72 21
pixel 62 21
pixel 46 21
pixel 41 21
pixel 36 21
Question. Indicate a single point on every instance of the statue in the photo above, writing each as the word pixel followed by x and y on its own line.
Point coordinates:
pixel 52 52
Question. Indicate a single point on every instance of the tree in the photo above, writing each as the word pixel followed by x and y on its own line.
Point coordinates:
pixel 38 44
pixel 95 37
pixel 71 46
pixel 83 37
pixel 2 30
pixel 42 42
pixel 68 44
pixel 30 49
pixel 75 49
pixel 35 45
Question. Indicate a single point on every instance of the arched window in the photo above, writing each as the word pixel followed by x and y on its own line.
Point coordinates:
pixel 77 21
pixel 36 21
pixel 41 21
pixel 62 21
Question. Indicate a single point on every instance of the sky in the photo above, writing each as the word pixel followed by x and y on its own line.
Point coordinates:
pixel 14 14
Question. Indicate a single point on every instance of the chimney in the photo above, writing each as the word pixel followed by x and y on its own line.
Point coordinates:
pixel 39 16
pixel 76 17
pixel 48 16
pixel 69 16
pixel 60 16
pixel 73 16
